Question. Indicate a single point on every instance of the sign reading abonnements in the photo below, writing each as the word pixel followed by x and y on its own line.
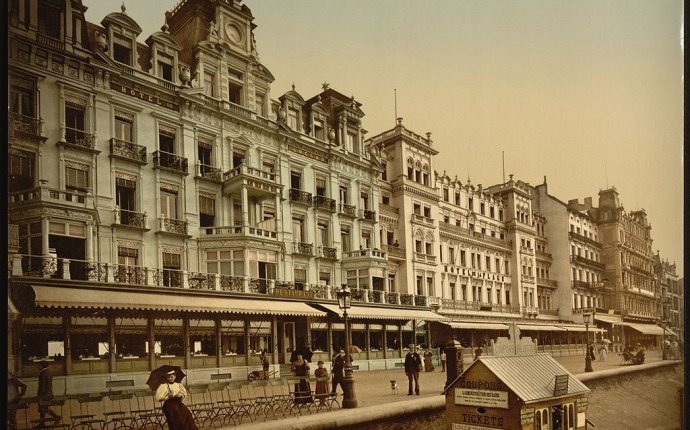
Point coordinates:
pixel 486 398
pixel 457 426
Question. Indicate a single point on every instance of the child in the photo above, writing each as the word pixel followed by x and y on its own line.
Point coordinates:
pixel 321 386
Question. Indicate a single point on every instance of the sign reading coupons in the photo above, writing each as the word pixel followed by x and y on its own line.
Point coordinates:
pixel 487 398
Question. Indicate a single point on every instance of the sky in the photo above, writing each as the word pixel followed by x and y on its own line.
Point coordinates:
pixel 588 93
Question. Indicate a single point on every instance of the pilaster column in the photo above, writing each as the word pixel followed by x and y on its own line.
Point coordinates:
pixel 185 343
pixel 245 206
pixel 112 365
pixel 66 326
pixel 152 343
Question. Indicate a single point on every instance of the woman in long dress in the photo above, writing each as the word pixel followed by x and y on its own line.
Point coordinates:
pixel 302 388
pixel 321 391
pixel 177 415
pixel 428 364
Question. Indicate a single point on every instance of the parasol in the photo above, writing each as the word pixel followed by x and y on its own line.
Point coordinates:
pixel 158 376
pixel 355 348
pixel 606 341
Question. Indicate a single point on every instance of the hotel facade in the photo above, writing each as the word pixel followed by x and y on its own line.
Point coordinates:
pixel 166 207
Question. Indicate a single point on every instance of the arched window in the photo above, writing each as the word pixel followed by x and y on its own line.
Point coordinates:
pixel 418 172
pixel 410 169
pixel 425 175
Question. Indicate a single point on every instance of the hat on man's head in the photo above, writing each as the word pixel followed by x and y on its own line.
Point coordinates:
pixel 43 364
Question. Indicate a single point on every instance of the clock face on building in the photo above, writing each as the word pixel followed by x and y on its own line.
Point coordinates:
pixel 233 33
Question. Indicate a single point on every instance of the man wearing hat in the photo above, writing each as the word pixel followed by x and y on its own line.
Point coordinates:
pixel 45 392
pixel 413 365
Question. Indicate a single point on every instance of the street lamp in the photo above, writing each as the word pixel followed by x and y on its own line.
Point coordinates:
pixel 588 360
pixel 344 303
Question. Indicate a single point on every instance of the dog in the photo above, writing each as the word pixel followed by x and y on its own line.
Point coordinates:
pixel 394 387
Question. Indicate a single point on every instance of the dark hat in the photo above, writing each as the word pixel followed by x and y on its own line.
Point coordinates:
pixel 43 364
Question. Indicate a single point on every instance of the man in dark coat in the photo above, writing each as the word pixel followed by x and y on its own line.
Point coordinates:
pixel 413 364
pixel 337 371
pixel 45 392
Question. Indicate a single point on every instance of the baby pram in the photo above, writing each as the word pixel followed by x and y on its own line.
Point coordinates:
pixel 260 374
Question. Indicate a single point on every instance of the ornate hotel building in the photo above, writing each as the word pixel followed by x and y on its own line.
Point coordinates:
pixel 166 207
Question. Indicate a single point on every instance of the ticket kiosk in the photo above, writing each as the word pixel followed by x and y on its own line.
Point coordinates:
pixel 516 391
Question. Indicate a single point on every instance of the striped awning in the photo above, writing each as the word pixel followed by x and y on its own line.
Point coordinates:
pixel 651 329
pixel 89 298
pixel 462 325
pixel 385 313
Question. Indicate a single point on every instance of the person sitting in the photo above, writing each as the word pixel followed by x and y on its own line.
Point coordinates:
pixel 639 357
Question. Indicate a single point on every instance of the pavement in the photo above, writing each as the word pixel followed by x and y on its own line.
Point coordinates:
pixel 373 388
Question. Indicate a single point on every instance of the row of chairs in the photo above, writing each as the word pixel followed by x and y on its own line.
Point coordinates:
pixel 213 404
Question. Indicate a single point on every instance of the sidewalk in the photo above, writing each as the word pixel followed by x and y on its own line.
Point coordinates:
pixel 373 388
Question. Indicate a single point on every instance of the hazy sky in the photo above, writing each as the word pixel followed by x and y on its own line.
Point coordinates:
pixel 588 93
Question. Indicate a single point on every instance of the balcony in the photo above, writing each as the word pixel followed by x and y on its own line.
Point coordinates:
pixel 574 236
pixel 388 210
pixel 259 183
pixel 322 202
pixel 128 151
pixel 130 219
pixel 464 305
pixel 395 252
pixel 425 258
pixel 421 219
pixel 587 262
pixel 526 250
pixel 208 172
pixel 582 285
pixel 50 42
pixel 368 215
pixel 238 231
pixel 527 278
pixel 43 194
pixel 301 248
pixel 364 254
pixel 347 210
pixel 171 162
pixel 173 226
pixel 326 252
pixel 79 138
pixel 543 282
pixel 24 126
pixel 299 196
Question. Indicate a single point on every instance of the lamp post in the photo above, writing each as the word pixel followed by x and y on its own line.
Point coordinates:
pixel 344 303
pixel 588 360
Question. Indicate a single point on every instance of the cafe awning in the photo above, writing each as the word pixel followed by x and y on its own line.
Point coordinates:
pixel 385 313
pixel 610 319
pixel 477 325
pixel 580 328
pixel 539 327
pixel 89 298
pixel 651 329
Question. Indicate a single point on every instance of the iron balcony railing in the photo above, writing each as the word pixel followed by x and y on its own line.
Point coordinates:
pixel 170 225
pixel 130 218
pixel 300 196
pixel 368 214
pixel 587 262
pixel 210 172
pixel 302 248
pixel 348 210
pixel 21 125
pixel 128 150
pixel 323 202
pixel 78 137
pixel 327 252
pixel 170 161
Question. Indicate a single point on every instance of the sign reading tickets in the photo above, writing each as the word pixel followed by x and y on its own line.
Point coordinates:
pixel 457 426
pixel 487 398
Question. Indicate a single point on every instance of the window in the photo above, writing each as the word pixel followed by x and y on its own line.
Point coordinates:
pixel 386 200
pixel 269 164
pixel 358 278
pixel 366 239
pixel 410 169
pixel 343 195
pixel 321 187
pixel 457 199
pixel 352 144
pixel 384 172
pixel 209 84
pixel 292 117
pixel 296 179
pixel 168 204
pixel 365 200
pixel 298 229
pixel 260 103
pixel 235 87
pixel 491 211
pixel 76 176
pixel 481 208
pixel 488 263
pixel 172 275
pixel 237 158
pixel 21 170
pixel 125 198
pixel 127 256
pixel 48 22
pixel 122 50
pixel 323 233
pixel 427 211
pixel 166 139
pixel 204 152
pixel 500 214
pixel 318 129
pixel 22 98
pixel 453 295
pixel 470 204
pixel 425 175
pixel 225 262
pixel 462 258
pixel 165 68
pixel 124 126
pixel 417 208
pixel 74 122
pixel 446 196
pixel 345 240
pixel 207 210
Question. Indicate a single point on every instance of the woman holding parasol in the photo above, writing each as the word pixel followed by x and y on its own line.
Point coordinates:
pixel 166 382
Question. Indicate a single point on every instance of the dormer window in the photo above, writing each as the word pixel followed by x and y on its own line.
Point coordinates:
pixel 49 18
pixel 292 116
pixel 318 129
pixel 165 68
pixel 122 50
pixel 209 84
pixel 260 104
pixel 352 145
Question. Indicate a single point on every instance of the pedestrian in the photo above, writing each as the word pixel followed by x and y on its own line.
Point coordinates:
pixel 337 368
pixel 321 391
pixel 265 365
pixel 302 389
pixel 478 352
pixel 45 393
pixel 428 364
pixel 15 391
pixel 443 361
pixel 413 365
pixel 602 353
pixel 591 353
pixel 172 393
